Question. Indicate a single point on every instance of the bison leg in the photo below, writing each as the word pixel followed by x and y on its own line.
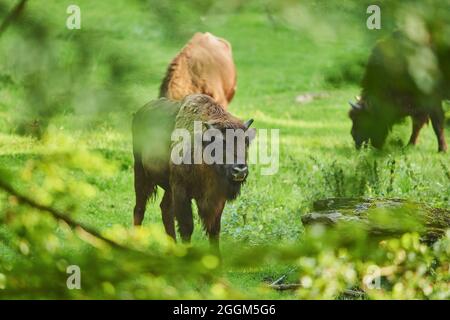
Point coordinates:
pixel 213 232
pixel 143 187
pixel 167 214
pixel 182 209
pixel 417 124
pixel 438 119
pixel 211 214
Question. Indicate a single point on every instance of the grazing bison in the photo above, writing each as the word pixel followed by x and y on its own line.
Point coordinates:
pixel 402 78
pixel 205 65
pixel 210 185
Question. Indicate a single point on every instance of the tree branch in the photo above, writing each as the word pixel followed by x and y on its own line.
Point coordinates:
pixel 286 286
pixel 13 15
pixel 295 286
pixel 59 215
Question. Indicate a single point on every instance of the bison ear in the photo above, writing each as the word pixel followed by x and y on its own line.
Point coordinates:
pixel 355 106
pixel 248 124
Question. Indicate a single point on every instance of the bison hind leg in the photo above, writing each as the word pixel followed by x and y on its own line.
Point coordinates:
pixel 168 214
pixel 418 121
pixel 438 122
pixel 144 188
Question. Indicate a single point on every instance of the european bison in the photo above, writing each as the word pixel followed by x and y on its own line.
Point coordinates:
pixel 205 65
pixel 210 185
pixel 402 78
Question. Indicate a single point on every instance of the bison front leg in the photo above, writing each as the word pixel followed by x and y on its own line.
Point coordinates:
pixel 437 120
pixel 211 215
pixel 182 209
pixel 214 233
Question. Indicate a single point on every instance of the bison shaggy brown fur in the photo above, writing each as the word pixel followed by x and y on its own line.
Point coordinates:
pixel 402 78
pixel 205 65
pixel 210 185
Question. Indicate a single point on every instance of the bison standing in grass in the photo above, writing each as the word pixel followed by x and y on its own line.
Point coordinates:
pixel 403 77
pixel 210 185
pixel 205 65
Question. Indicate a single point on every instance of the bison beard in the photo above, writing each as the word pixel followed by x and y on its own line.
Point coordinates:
pixel 390 93
pixel 209 185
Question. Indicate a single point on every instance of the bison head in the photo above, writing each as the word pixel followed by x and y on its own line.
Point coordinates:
pixel 367 126
pixel 361 127
pixel 229 160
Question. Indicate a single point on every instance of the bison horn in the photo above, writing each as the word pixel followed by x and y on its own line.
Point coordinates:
pixel 248 124
pixel 354 105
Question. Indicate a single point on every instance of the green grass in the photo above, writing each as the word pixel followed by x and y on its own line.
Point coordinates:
pixel 275 64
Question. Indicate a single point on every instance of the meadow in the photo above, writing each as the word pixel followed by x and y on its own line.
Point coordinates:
pixel 281 54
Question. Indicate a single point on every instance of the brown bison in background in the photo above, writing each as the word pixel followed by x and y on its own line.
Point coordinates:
pixel 205 65
pixel 403 78
pixel 210 185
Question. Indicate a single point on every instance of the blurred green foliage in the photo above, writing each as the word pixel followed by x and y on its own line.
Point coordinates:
pixel 37 249
pixel 75 91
